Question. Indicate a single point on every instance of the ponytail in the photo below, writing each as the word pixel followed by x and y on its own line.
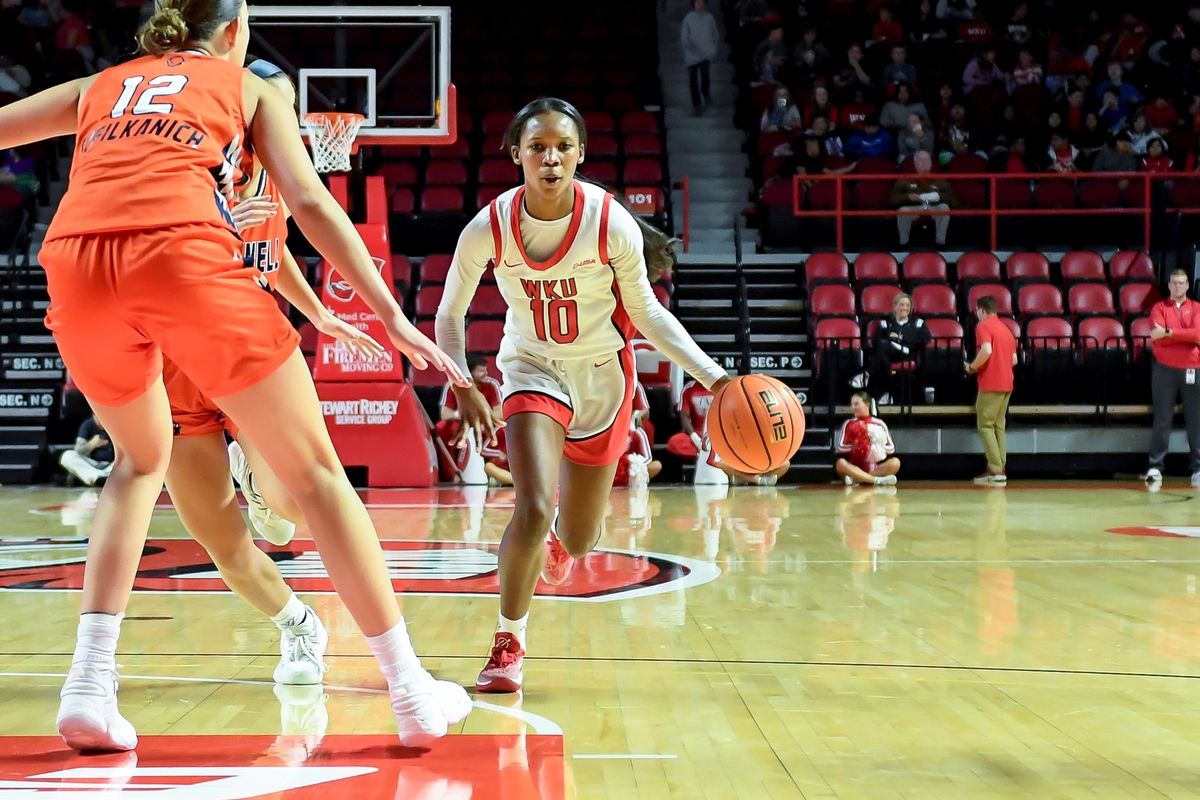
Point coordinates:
pixel 175 23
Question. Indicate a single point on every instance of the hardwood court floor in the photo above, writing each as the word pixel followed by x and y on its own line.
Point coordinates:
pixel 941 641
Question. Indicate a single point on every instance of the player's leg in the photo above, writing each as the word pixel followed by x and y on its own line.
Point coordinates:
pixel 852 473
pixel 140 430
pixel 277 511
pixel 583 499
pixel 535 446
pixel 498 473
pixel 886 468
pixel 203 496
pixel 281 414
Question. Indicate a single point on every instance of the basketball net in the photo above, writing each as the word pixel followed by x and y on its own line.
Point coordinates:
pixel 331 136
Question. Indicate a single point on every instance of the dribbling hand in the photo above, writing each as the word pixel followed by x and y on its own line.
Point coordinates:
pixel 422 352
pixel 360 344
pixel 477 417
pixel 253 211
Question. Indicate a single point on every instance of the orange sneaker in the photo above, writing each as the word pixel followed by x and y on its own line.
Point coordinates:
pixel 504 669
pixel 558 563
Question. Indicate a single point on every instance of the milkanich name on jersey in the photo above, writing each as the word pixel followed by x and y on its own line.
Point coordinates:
pixel 164 127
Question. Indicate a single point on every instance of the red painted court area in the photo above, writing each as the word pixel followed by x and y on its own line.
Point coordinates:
pixel 287 768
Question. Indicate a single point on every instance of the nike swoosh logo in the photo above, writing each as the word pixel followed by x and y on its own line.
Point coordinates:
pixel 598 366
pixel 511 266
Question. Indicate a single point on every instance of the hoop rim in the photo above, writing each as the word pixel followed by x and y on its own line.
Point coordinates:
pixel 325 117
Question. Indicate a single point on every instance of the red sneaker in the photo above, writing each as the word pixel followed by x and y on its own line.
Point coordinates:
pixel 558 563
pixel 503 672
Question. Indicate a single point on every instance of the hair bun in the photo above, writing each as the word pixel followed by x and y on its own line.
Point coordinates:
pixel 166 30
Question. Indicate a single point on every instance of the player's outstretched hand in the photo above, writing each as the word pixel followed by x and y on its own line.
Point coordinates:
pixel 359 343
pixel 253 211
pixel 422 352
pixel 477 417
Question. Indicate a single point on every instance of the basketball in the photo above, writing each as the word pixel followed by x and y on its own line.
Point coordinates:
pixel 755 424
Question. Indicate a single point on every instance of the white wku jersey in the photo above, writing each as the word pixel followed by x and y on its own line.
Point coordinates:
pixel 568 306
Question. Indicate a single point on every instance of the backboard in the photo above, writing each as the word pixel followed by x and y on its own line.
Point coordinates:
pixel 389 63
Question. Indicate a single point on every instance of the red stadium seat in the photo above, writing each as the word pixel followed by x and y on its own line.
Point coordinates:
pixel 1012 326
pixel 1139 336
pixel 488 302
pixel 486 194
pixel 428 298
pixel 1039 299
pixel 826 268
pixel 403 201
pixel 924 268
pixel 434 268
pixel 934 300
pixel 875 268
pixel 483 336
pixel 602 145
pixel 1049 333
pixel 398 173
pixel 970 194
pixel 642 144
pixel 844 333
pixel 1055 194
pixel 493 146
pixel 441 198
pixel 778 194
pixel 498 172
pixel 869 195
pixel 622 101
pixel 643 171
pixel 821 195
pixel 599 122
pixel 876 299
pixel 445 173
pixel 496 122
pixel 1098 193
pixel 831 300
pixel 1085 299
pixel 999 291
pixel 638 122
pixel 946 333
pixel 1013 194
pixel 1131 265
pixel 1082 265
pixel 978 268
pixel 1101 333
pixel 604 172
pixel 768 142
pixel 1138 298
pixel 1028 268
pixel 967 164
pixel 875 165
pixel 1186 194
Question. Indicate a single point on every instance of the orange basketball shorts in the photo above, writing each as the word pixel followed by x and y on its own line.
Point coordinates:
pixel 121 301
pixel 193 413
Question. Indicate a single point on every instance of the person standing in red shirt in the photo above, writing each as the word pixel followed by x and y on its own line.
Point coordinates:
pixel 1175 340
pixel 995 357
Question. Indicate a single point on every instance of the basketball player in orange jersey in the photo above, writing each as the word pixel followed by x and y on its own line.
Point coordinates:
pixel 569 262
pixel 142 260
pixel 198 474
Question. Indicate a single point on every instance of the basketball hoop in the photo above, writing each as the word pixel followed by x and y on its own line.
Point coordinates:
pixel 332 138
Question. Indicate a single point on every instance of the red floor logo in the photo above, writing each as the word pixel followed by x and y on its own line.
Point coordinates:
pixel 1166 532
pixel 246 767
pixel 182 565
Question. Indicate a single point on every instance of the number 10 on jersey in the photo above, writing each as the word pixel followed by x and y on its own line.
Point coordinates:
pixel 555 312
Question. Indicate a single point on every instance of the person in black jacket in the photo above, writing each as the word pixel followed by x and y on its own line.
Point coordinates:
pixel 899 337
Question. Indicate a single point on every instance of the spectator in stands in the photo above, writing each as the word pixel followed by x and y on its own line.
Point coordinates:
pixel 1140 133
pixel 772 49
pixel 91 460
pixel 808 159
pixel 925 25
pixel 1027 71
pixel 852 77
pixel 996 355
pixel 1128 96
pixel 899 337
pixel 1092 139
pixel 1161 114
pixel 899 70
pixel 782 115
pixel 867 453
pixel 854 114
pixel 1111 115
pixel 896 111
pixel 694 402
pixel 449 427
pixel 1018 32
pixel 1131 38
pixel 831 143
pixel 1175 342
pixel 752 11
pixel 917 136
pixel 887 31
pixel 810 44
pixel 1117 157
pixel 1075 111
pixel 821 106
pixel 956 10
pixel 14 78
pixel 923 191
pixel 73 37
pixel 19 173
pixel 700 41
pixel 976 31
pixel 1062 154
pixel 871 140
pixel 982 71
pixel 1191 72
pixel 1156 159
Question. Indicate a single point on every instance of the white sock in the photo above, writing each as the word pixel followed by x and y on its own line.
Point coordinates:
pixel 292 613
pixel 393 651
pixel 96 640
pixel 514 626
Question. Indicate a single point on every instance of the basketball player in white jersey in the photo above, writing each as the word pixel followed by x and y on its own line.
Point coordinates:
pixel 569 262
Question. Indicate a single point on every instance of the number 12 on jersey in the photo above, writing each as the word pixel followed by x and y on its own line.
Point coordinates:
pixel 160 86
pixel 554 309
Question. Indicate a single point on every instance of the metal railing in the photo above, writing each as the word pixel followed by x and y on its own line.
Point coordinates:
pixel 743 298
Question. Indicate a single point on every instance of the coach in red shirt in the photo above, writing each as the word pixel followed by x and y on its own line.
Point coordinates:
pixel 995 357
pixel 1175 340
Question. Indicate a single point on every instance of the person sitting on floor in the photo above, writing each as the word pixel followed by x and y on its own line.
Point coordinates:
pixel 868 453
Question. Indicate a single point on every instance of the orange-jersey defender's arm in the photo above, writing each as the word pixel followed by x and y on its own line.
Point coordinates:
pixel 49 113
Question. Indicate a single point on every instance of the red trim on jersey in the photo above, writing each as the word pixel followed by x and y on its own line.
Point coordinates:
pixel 528 401
pixel 603 243
pixel 497 241
pixel 620 317
pixel 568 240
pixel 607 446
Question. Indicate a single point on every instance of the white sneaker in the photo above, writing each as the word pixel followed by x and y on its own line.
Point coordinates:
pixel 886 480
pixel 1153 475
pixel 639 475
pixel 860 381
pixel 767 480
pixel 418 705
pixel 269 525
pixel 456 703
pixel 88 717
pixel 301 650
pixel 885 399
pixel 1196 479
pixel 999 477
pixel 303 721
pixel 848 480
